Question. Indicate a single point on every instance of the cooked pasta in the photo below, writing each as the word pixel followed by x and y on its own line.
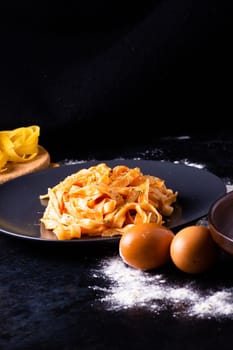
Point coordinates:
pixel 18 145
pixel 103 201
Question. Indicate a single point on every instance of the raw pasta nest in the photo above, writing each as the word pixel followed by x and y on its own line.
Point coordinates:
pixel 18 145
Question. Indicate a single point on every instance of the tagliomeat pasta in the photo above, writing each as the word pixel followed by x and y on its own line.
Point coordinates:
pixel 103 201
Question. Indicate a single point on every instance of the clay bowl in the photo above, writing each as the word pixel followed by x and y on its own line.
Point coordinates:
pixel 220 219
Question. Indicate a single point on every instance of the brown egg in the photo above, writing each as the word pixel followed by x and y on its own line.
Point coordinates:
pixel 146 246
pixel 193 250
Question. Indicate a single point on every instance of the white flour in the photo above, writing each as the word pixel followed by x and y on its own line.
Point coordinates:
pixel 188 163
pixel 129 288
pixel 182 161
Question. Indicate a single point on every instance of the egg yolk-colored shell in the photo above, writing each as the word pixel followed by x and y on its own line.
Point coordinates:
pixel 146 246
pixel 193 250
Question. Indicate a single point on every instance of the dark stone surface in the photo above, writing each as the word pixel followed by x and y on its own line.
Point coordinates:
pixel 88 72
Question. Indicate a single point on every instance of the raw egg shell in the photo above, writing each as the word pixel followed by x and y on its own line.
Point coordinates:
pixel 193 250
pixel 146 246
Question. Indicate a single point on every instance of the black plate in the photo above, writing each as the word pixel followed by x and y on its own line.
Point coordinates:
pixel 21 208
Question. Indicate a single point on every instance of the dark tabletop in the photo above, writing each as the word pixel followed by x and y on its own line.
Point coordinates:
pixel 52 297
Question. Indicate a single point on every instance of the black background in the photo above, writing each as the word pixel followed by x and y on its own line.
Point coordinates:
pixel 115 73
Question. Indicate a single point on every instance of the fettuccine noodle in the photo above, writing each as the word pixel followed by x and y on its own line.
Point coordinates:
pixel 103 201
pixel 18 145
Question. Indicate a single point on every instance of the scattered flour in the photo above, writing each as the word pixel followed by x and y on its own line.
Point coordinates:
pixel 229 187
pixel 188 163
pixel 183 161
pixel 130 288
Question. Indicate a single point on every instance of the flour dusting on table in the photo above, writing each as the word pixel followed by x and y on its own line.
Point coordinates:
pixel 130 288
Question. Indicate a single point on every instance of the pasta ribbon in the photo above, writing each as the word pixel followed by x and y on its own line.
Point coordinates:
pixel 104 201
pixel 18 145
pixel 3 160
